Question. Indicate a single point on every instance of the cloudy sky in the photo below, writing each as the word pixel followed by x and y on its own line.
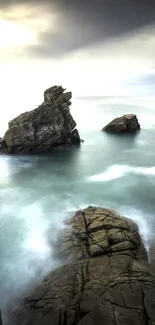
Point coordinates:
pixel 92 47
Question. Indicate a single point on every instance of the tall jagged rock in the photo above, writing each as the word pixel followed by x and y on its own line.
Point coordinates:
pixel 106 278
pixel 45 127
pixel 125 124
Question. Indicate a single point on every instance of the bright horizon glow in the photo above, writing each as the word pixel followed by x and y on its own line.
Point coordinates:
pixel 105 69
pixel 21 25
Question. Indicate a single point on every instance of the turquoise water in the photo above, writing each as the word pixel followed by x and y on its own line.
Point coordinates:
pixel 38 193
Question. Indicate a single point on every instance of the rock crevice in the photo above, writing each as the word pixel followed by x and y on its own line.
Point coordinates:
pixel 106 278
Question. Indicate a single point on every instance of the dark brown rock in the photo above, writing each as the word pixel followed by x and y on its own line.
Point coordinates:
pixel 106 278
pixel 124 124
pixel 2 143
pixel 1 323
pixel 152 249
pixel 3 146
pixel 45 127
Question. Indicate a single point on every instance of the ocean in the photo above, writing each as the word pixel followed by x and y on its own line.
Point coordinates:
pixel 37 193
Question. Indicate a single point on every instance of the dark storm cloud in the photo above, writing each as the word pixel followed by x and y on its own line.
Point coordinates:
pixel 83 23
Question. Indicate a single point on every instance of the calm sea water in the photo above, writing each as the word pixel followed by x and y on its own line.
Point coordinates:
pixel 38 193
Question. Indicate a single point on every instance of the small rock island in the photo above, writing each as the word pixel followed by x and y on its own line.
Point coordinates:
pixel 50 125
pixel 106 277
pixel 125 124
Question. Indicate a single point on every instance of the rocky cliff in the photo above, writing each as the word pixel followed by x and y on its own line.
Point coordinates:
pixel 125 124
pixel 43 128
pixel 106 278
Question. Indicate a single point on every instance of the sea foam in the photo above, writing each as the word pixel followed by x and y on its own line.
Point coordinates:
pixel 117 171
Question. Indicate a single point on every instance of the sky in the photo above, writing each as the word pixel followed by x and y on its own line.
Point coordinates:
pixel 92 47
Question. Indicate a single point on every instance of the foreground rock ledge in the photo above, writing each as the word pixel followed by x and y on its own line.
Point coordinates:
pixel 106 280
pixel 43 128
pixel 124 124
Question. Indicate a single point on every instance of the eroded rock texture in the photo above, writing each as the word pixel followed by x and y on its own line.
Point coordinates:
pixel 107 279
pixel 49 125
pixel 124 124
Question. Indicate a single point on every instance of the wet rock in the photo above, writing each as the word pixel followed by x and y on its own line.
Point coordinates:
pixel 106 278
pixel 152 249
pixel 2 143
pixel 1 323
pixel 3 146
pixel 45 127
pixel 124 124
pixel 74 136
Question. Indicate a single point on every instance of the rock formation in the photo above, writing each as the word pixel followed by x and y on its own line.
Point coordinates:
pixel 106 278
pixel 125 124
pixel 39 130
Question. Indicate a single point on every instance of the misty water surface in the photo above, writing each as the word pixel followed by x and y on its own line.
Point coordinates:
pixel 37 193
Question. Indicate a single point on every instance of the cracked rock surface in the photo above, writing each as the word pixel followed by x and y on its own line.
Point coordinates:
pixel 106 279
pixel 125 124
pixel 47 126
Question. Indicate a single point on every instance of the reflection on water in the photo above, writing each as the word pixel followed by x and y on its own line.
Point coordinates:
pixel 38 193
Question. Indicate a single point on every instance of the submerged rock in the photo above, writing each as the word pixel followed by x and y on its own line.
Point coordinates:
pixel 106 278
pixel 126 123
pixel 47 126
